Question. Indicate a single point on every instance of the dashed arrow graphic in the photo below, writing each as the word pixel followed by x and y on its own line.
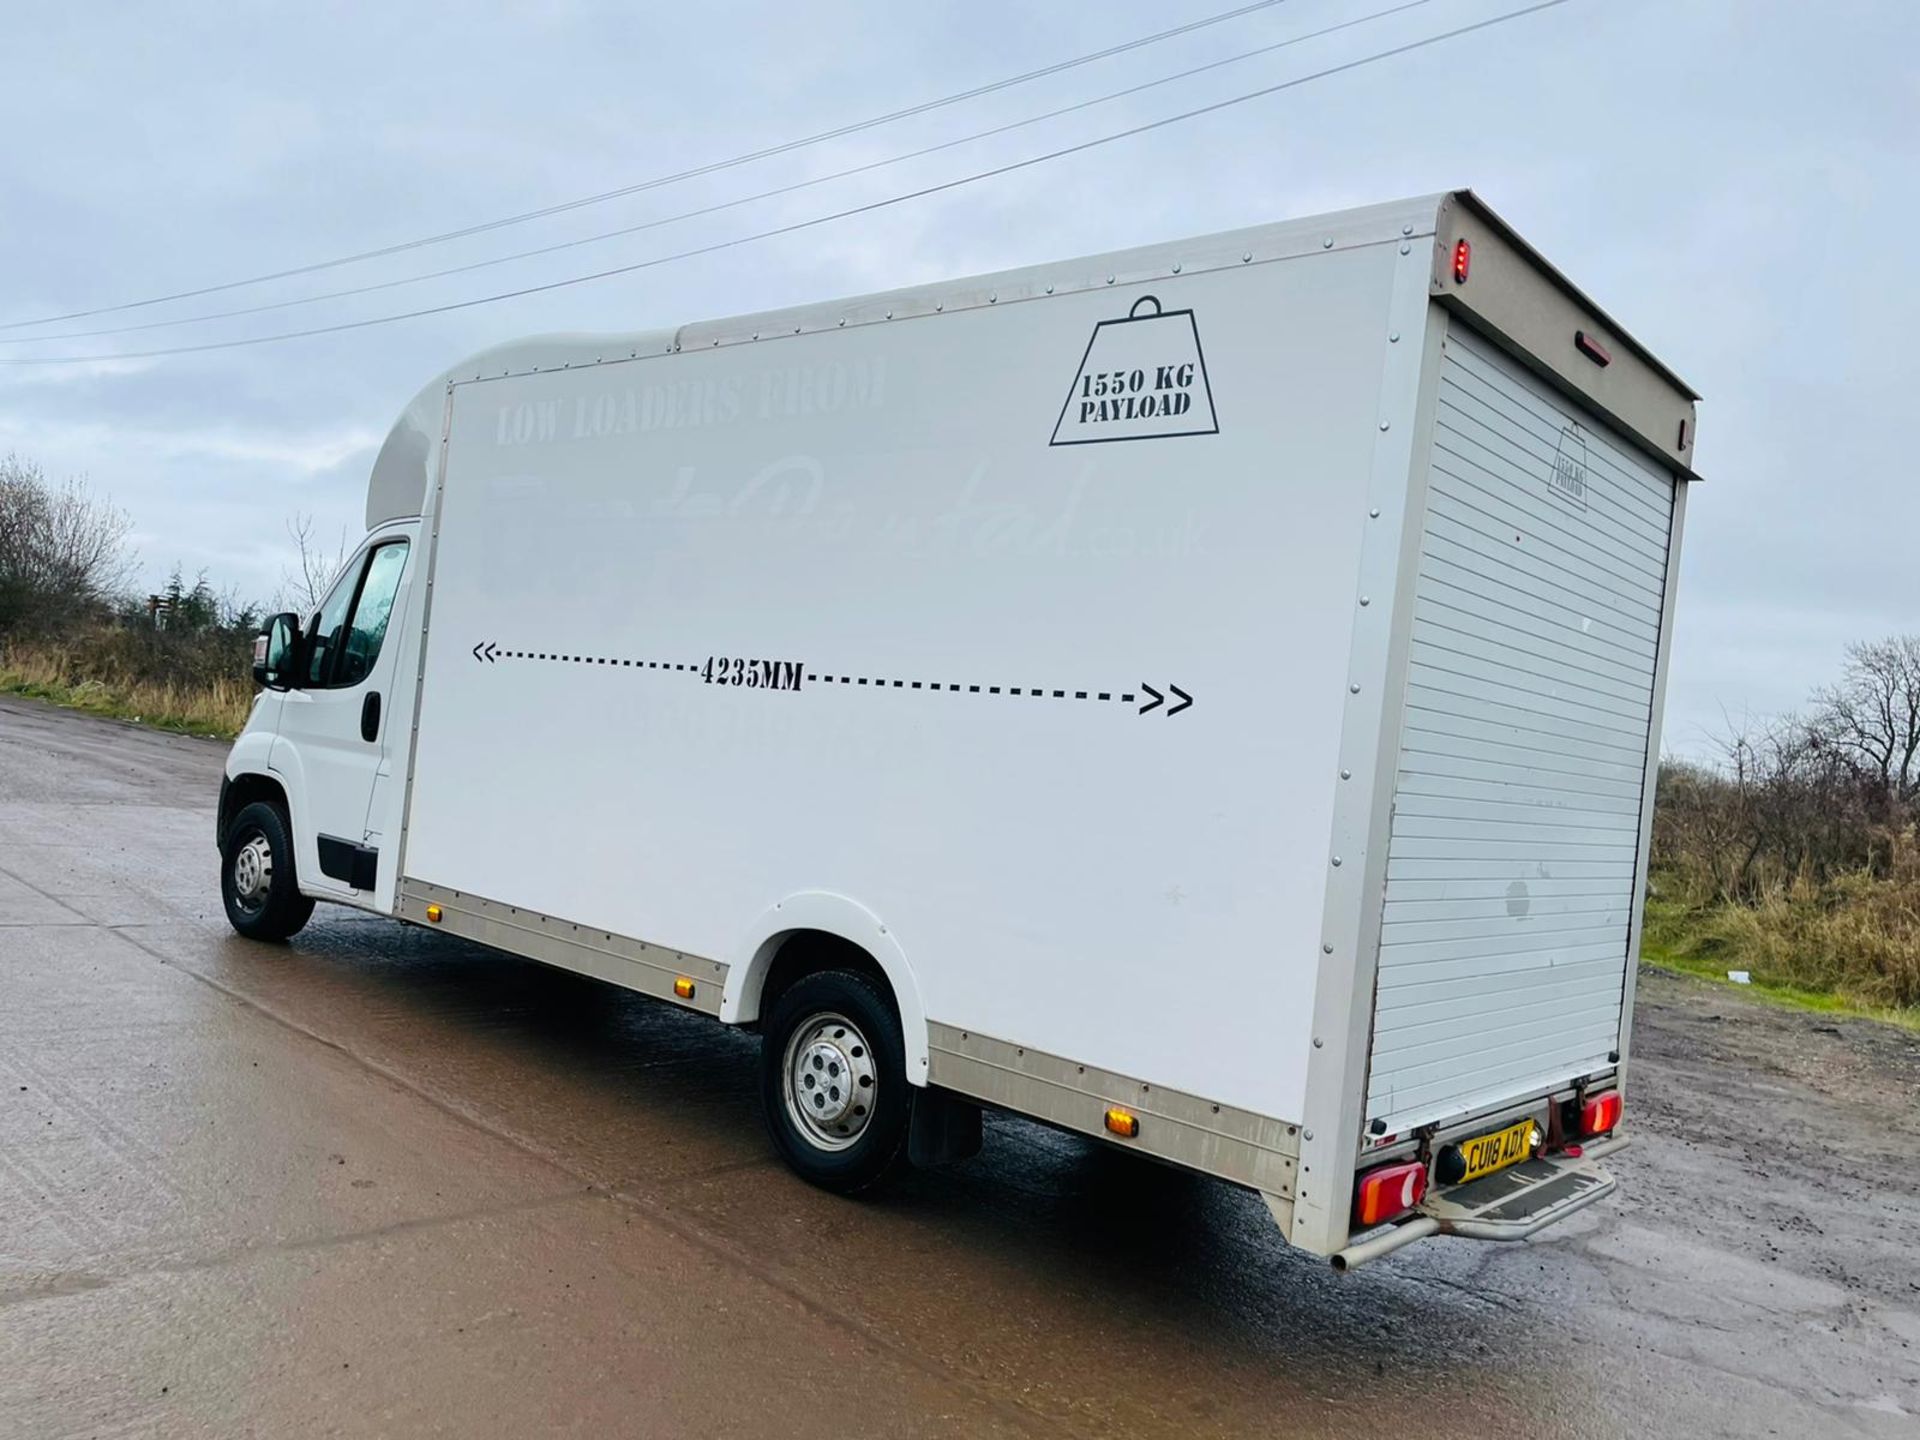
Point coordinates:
pixel 791 675
pixel 1159 699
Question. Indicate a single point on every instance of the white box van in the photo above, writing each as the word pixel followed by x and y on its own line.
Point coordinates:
pixel 1205 697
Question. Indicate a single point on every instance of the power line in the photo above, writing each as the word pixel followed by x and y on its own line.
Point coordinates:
pixel 798 225
pixel 718 206
pixel 710 168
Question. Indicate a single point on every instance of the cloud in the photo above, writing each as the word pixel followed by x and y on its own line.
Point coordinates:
pixel 19 377
pixel 311 453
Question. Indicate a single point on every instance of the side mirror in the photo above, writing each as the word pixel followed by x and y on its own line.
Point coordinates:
pixel 276 652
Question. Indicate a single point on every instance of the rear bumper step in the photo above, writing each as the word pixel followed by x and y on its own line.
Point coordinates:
pixel 1511 1205
pixel 1529 1197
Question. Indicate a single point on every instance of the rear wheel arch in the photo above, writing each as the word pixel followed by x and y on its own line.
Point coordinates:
pixel 818 931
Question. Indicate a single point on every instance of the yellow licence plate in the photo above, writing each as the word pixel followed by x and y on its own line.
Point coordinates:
pixel 1485 1154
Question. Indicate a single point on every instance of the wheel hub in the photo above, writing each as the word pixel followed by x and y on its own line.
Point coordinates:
pixel 830 1081
pixel 253 872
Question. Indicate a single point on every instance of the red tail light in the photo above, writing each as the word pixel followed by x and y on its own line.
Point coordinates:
pixel 1601 1113
pixel 1462 261
pixel 1388 1193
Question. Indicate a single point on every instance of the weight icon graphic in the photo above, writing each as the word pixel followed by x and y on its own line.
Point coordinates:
pixel 1143 377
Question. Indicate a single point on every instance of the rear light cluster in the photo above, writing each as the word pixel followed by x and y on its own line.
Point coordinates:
pixel 1388 1193
pixel 1601 1113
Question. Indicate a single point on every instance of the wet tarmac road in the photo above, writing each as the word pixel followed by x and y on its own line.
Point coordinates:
pixel 384 1182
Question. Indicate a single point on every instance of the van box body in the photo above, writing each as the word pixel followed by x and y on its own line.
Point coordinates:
pixel 1220 680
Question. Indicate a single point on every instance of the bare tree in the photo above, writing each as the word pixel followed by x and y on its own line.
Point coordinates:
pixel 62 548
pixel 1872 716
pixel 1785 804
pixel 304 584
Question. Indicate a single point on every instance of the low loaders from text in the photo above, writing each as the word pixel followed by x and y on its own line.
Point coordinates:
pixel 1205 697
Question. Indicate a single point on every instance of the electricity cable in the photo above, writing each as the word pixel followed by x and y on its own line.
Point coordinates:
pixel 814 221
pixel 784 147
pixel 716 207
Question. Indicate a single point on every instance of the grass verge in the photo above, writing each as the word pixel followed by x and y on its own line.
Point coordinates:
pixel 1791 997
pixel 216 710
pixel 1806 957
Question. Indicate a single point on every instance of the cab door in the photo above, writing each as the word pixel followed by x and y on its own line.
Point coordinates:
pixel 333 736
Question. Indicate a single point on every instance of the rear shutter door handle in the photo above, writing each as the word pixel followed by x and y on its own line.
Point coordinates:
pixel 370 716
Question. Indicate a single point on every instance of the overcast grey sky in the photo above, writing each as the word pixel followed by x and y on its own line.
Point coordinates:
pixel 1736 180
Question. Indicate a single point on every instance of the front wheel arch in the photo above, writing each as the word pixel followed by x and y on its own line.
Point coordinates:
pixel 247 788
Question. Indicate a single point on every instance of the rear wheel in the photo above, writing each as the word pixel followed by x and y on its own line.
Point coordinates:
pixel 257 881
pixel 834 1081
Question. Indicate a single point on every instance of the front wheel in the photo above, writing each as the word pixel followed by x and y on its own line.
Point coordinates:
pixel 257 881
pixel 834 1081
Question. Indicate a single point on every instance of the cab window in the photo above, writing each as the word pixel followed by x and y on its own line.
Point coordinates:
pixel 352 623
pixel 324 634
pixel 367 629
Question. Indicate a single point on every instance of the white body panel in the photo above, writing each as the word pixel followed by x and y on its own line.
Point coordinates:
pixel 882 505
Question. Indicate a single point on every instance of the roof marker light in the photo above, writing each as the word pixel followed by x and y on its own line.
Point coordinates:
pixel 1591 348
pixel 1462 261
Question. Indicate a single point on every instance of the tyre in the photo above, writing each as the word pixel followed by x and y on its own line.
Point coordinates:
pixel 833 1079
pixel 257 880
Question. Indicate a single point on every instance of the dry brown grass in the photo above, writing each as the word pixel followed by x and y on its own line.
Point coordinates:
pixel 1856 935
pixel 82 673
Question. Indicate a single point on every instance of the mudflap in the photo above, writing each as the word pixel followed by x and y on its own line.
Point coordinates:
pixel 1525 1199
pixel 943 1128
